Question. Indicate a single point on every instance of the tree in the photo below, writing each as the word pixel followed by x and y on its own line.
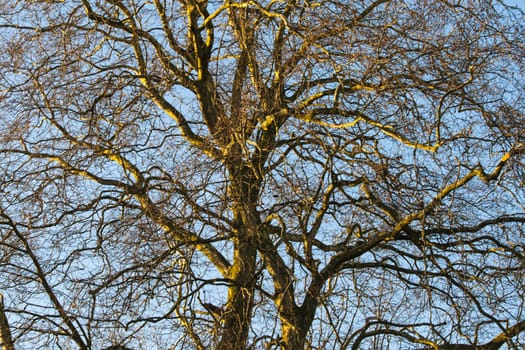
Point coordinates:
pixel 262 174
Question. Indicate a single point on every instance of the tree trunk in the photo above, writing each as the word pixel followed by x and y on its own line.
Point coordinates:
pixel 292 338
pixel 296 321
pixel 295 329
pixel 237 314
pixel 6 341
pixel 238 310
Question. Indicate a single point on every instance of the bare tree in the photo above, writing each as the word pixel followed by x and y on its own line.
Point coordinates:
pixel 202 174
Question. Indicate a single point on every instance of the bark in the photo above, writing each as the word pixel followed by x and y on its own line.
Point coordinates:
pixel 237 314
pixel 296 321
pixel 238 311
pixel 294 331
pixel 6 341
